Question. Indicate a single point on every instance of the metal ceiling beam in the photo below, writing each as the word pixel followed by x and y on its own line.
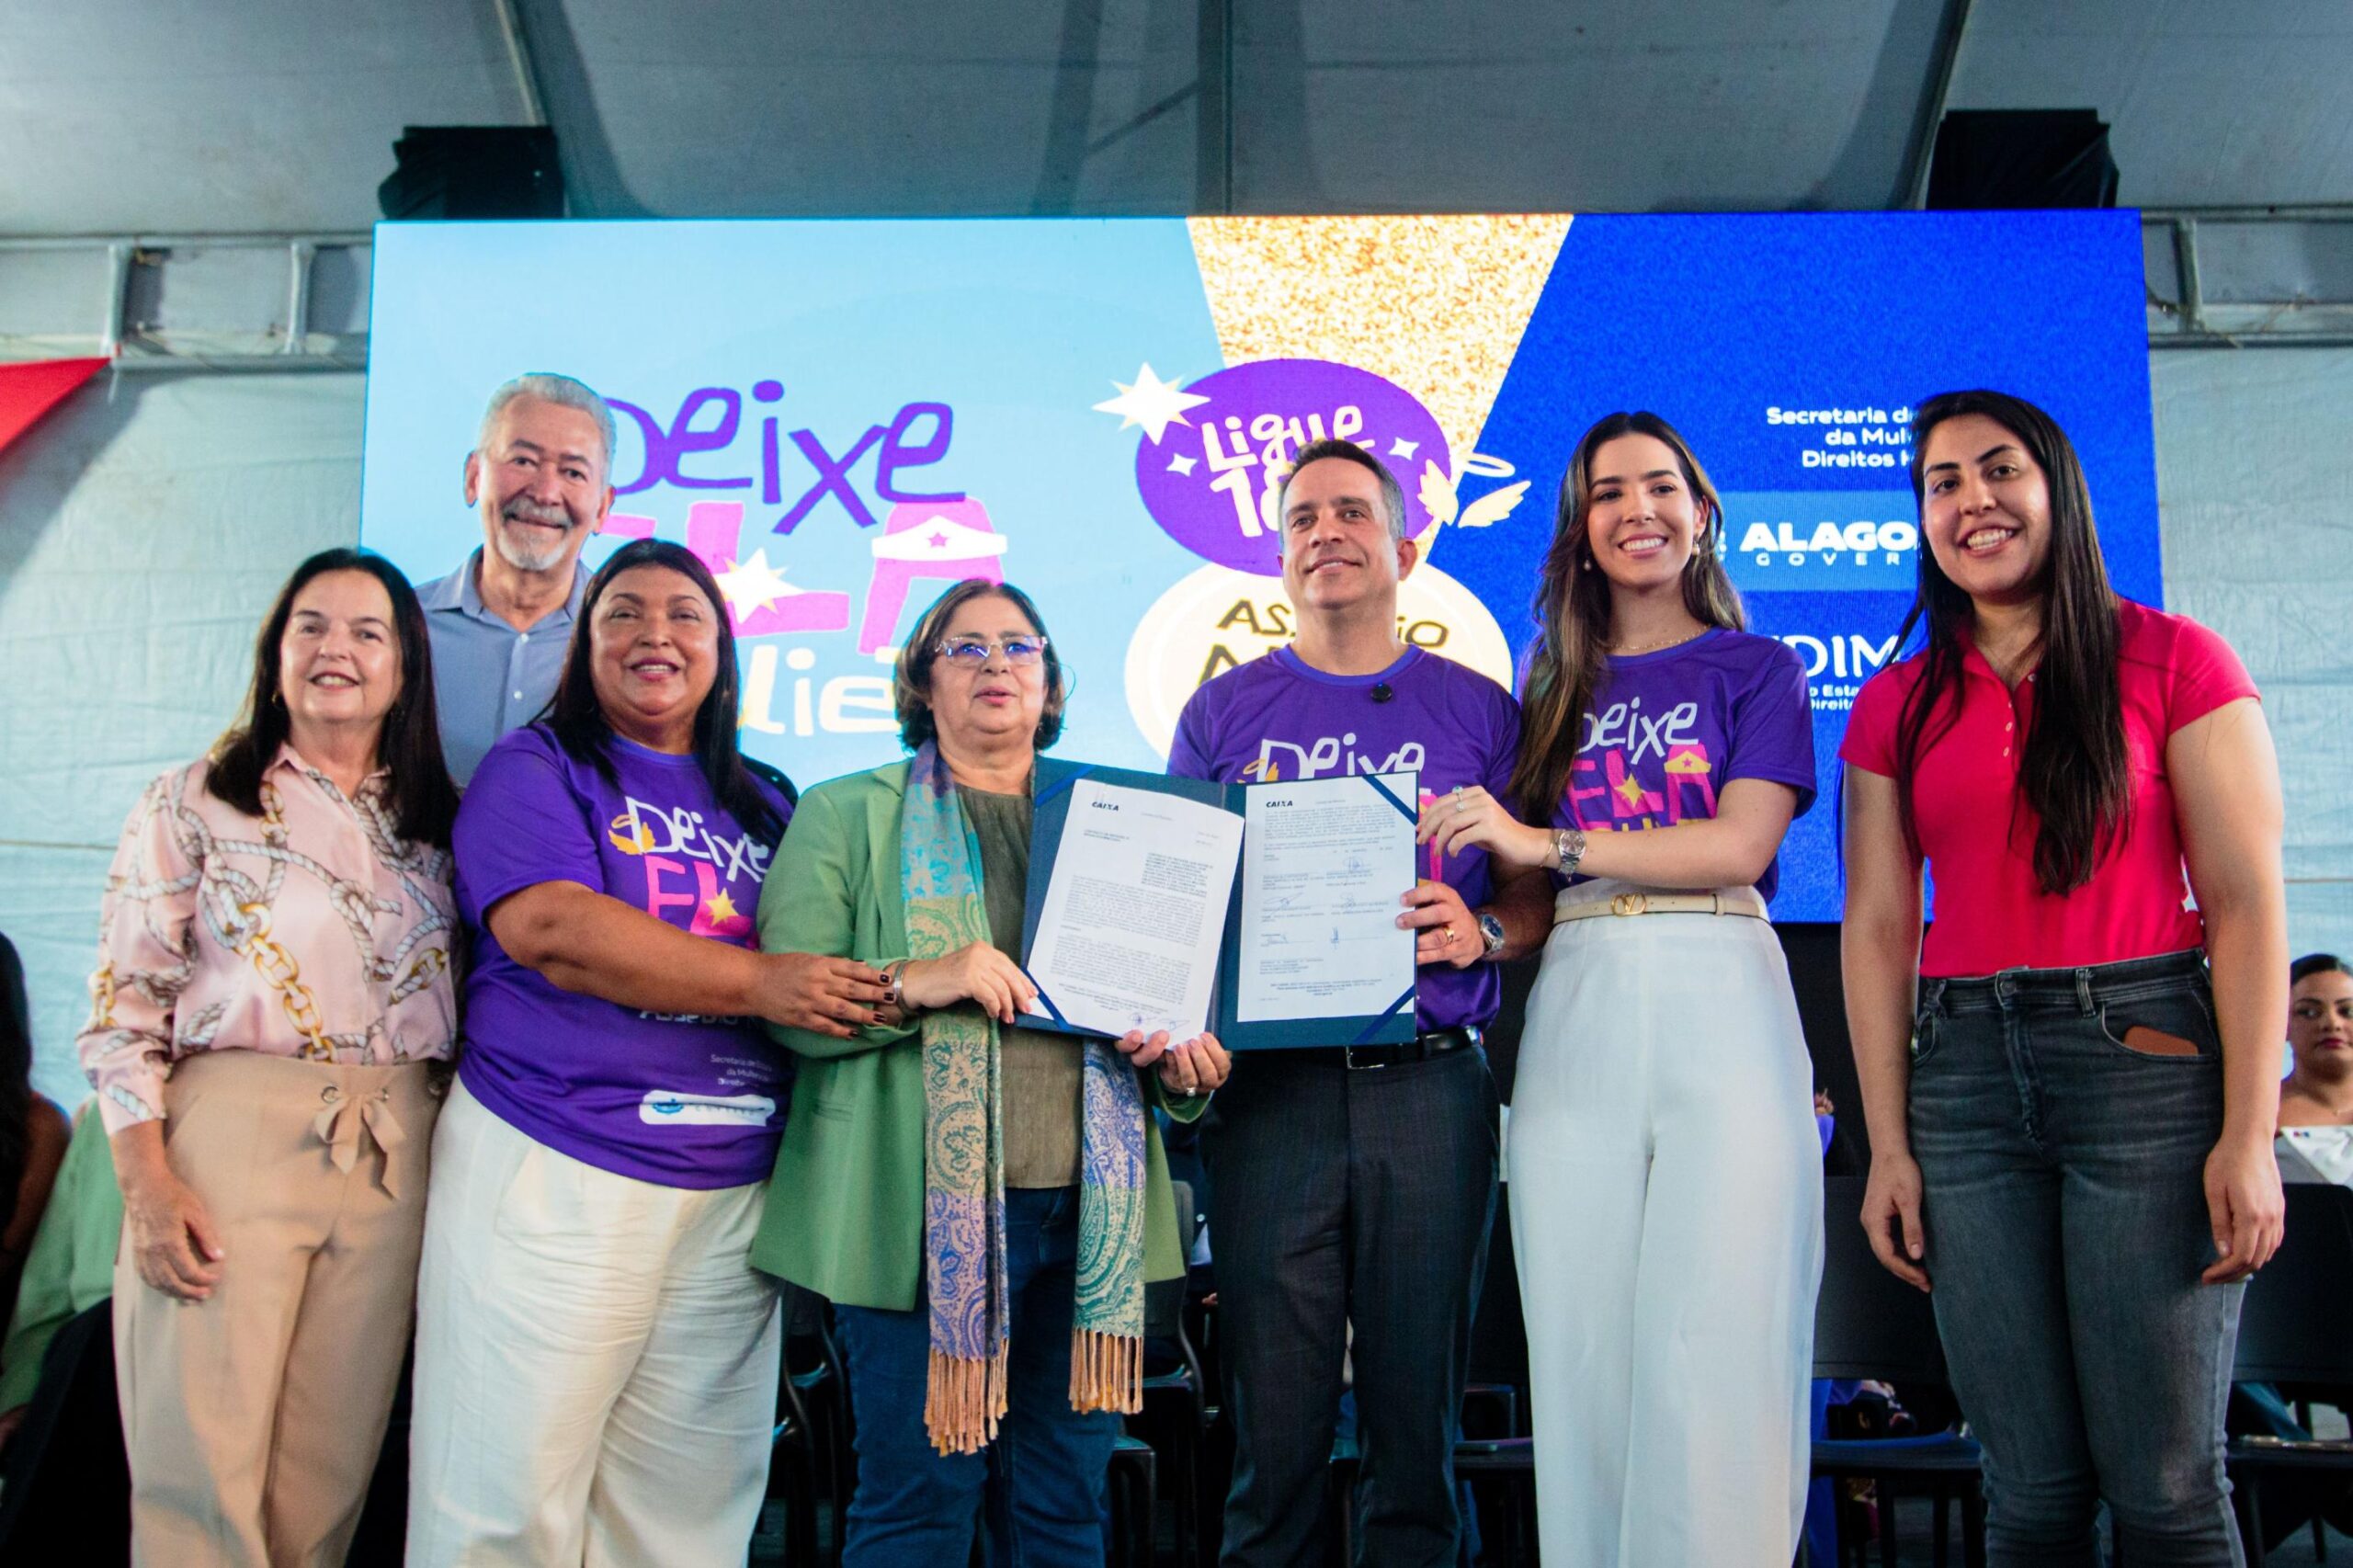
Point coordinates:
pixel 258 324
pixel 518 59
pixel 1213 108
pixel 2188 317
pixel 1920 149
pixel 276 326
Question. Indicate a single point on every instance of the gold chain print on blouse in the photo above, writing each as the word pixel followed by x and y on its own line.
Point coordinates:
pixel 343 936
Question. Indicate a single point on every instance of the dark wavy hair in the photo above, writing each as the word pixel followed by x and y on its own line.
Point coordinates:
pixel 1567 661
pixel 15 1075
pixel 2311 964
pixel 2073 762
pixel 910 680
pixel 419 797
pixel 578 722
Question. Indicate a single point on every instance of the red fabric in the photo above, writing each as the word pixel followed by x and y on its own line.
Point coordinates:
pixel 30 391
pixel 1991 913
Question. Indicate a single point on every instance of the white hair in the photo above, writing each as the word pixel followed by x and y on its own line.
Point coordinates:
pixel 551 387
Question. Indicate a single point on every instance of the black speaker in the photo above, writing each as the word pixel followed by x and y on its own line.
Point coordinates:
pixel 473 171
pixel 2022 157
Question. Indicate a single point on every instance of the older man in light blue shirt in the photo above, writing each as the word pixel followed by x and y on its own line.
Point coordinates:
pixel 540 476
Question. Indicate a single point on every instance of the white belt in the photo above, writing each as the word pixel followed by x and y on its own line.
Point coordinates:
pixel 1721 901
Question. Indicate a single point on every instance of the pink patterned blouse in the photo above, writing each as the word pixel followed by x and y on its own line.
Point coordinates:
pixel 311 931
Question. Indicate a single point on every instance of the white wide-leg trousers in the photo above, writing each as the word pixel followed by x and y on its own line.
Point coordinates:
pixel 1666 1213
pixel 596 1362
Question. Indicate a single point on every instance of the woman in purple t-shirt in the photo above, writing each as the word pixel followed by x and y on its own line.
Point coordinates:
pixel 1666 1177
pixel 597 1358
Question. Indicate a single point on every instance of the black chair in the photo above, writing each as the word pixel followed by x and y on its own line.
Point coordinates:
pixel 1176 1411
pixel 1133 1485
pixel 1510 1464
pixel 67 1497
pixel 2292 1331
pixel 1868 1324
pixel 1484 1464
pixel 825 1391
pixel 797 1456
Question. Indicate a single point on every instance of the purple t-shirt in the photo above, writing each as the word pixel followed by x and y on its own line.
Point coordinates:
pixel 1275 719
pixel 684 1101
pixel 1667 731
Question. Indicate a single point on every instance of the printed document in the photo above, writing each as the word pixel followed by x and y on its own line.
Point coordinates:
pixel 1327 863
pixel 1134 913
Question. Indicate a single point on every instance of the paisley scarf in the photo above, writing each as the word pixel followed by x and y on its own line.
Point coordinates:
pixel 963 1224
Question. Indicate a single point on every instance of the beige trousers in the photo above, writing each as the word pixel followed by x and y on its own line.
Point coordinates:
pixel 253 1418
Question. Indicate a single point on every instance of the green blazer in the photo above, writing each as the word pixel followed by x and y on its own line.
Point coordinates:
pixel 844 1208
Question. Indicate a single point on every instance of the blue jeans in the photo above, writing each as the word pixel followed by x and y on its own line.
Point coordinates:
pixel 1041 1481
pixel 2064 1197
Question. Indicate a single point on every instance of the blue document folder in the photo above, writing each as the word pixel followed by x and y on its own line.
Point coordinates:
pixel 1051 820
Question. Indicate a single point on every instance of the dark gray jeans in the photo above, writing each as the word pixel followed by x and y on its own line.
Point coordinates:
pixel 2062 1174
pixel 1341 1197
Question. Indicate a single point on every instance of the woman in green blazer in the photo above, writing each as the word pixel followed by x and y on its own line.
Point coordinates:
pixel 983 1203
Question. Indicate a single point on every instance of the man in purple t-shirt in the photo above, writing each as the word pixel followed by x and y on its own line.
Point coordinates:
pixel 1357 1184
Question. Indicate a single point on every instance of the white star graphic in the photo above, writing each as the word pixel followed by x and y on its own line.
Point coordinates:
pixel 1151 403
pixel 1401 447
pixel 753 586
pixel 1182 464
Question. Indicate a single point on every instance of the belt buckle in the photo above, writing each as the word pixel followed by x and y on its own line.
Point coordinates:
pixel 1348 1059
pixel 1630 904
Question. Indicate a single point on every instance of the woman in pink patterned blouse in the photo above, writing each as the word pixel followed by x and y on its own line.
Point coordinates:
pixel 274 986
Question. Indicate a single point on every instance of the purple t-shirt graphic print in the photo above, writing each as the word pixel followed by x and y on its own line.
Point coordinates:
pixel 1277 718
pixel 678 1100
pixel 1665 733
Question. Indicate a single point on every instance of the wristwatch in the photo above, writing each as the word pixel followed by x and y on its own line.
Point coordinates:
pixel 1491 932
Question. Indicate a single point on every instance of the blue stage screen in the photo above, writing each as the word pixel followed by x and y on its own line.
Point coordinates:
pixel 845 416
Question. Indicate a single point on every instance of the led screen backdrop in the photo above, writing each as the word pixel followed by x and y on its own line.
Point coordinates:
pixel 843 417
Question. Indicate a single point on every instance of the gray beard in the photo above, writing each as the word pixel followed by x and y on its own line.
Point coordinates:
pixel 511 551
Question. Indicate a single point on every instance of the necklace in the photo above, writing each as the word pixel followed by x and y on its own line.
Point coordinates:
pixel 1653 647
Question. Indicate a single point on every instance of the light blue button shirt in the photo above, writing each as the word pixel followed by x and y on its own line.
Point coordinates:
pixel 489 679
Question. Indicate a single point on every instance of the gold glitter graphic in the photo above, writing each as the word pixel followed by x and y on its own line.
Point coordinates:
pixel 1436 304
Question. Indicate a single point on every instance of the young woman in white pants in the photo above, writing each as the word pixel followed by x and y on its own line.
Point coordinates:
pixel 1665 1174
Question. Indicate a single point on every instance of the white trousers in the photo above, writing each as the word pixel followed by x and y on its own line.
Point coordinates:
pixel 1666 1213
pixel 596 1361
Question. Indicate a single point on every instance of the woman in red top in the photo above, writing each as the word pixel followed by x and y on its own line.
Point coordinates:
pixel 2070 1121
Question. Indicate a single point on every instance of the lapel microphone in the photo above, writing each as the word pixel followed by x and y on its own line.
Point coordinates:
pixel 1380 692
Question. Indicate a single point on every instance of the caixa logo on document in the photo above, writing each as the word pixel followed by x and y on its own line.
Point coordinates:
pixel 1821 539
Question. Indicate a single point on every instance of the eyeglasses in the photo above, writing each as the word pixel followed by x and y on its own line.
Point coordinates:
pixel 972 653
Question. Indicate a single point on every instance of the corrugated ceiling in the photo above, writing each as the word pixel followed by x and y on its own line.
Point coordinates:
pixel 179 115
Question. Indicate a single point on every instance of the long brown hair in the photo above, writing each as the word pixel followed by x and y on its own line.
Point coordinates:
pixel 418 796
pixel 2073 764
pixel 15 1073
pixel 1567 665
pixel 578 722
